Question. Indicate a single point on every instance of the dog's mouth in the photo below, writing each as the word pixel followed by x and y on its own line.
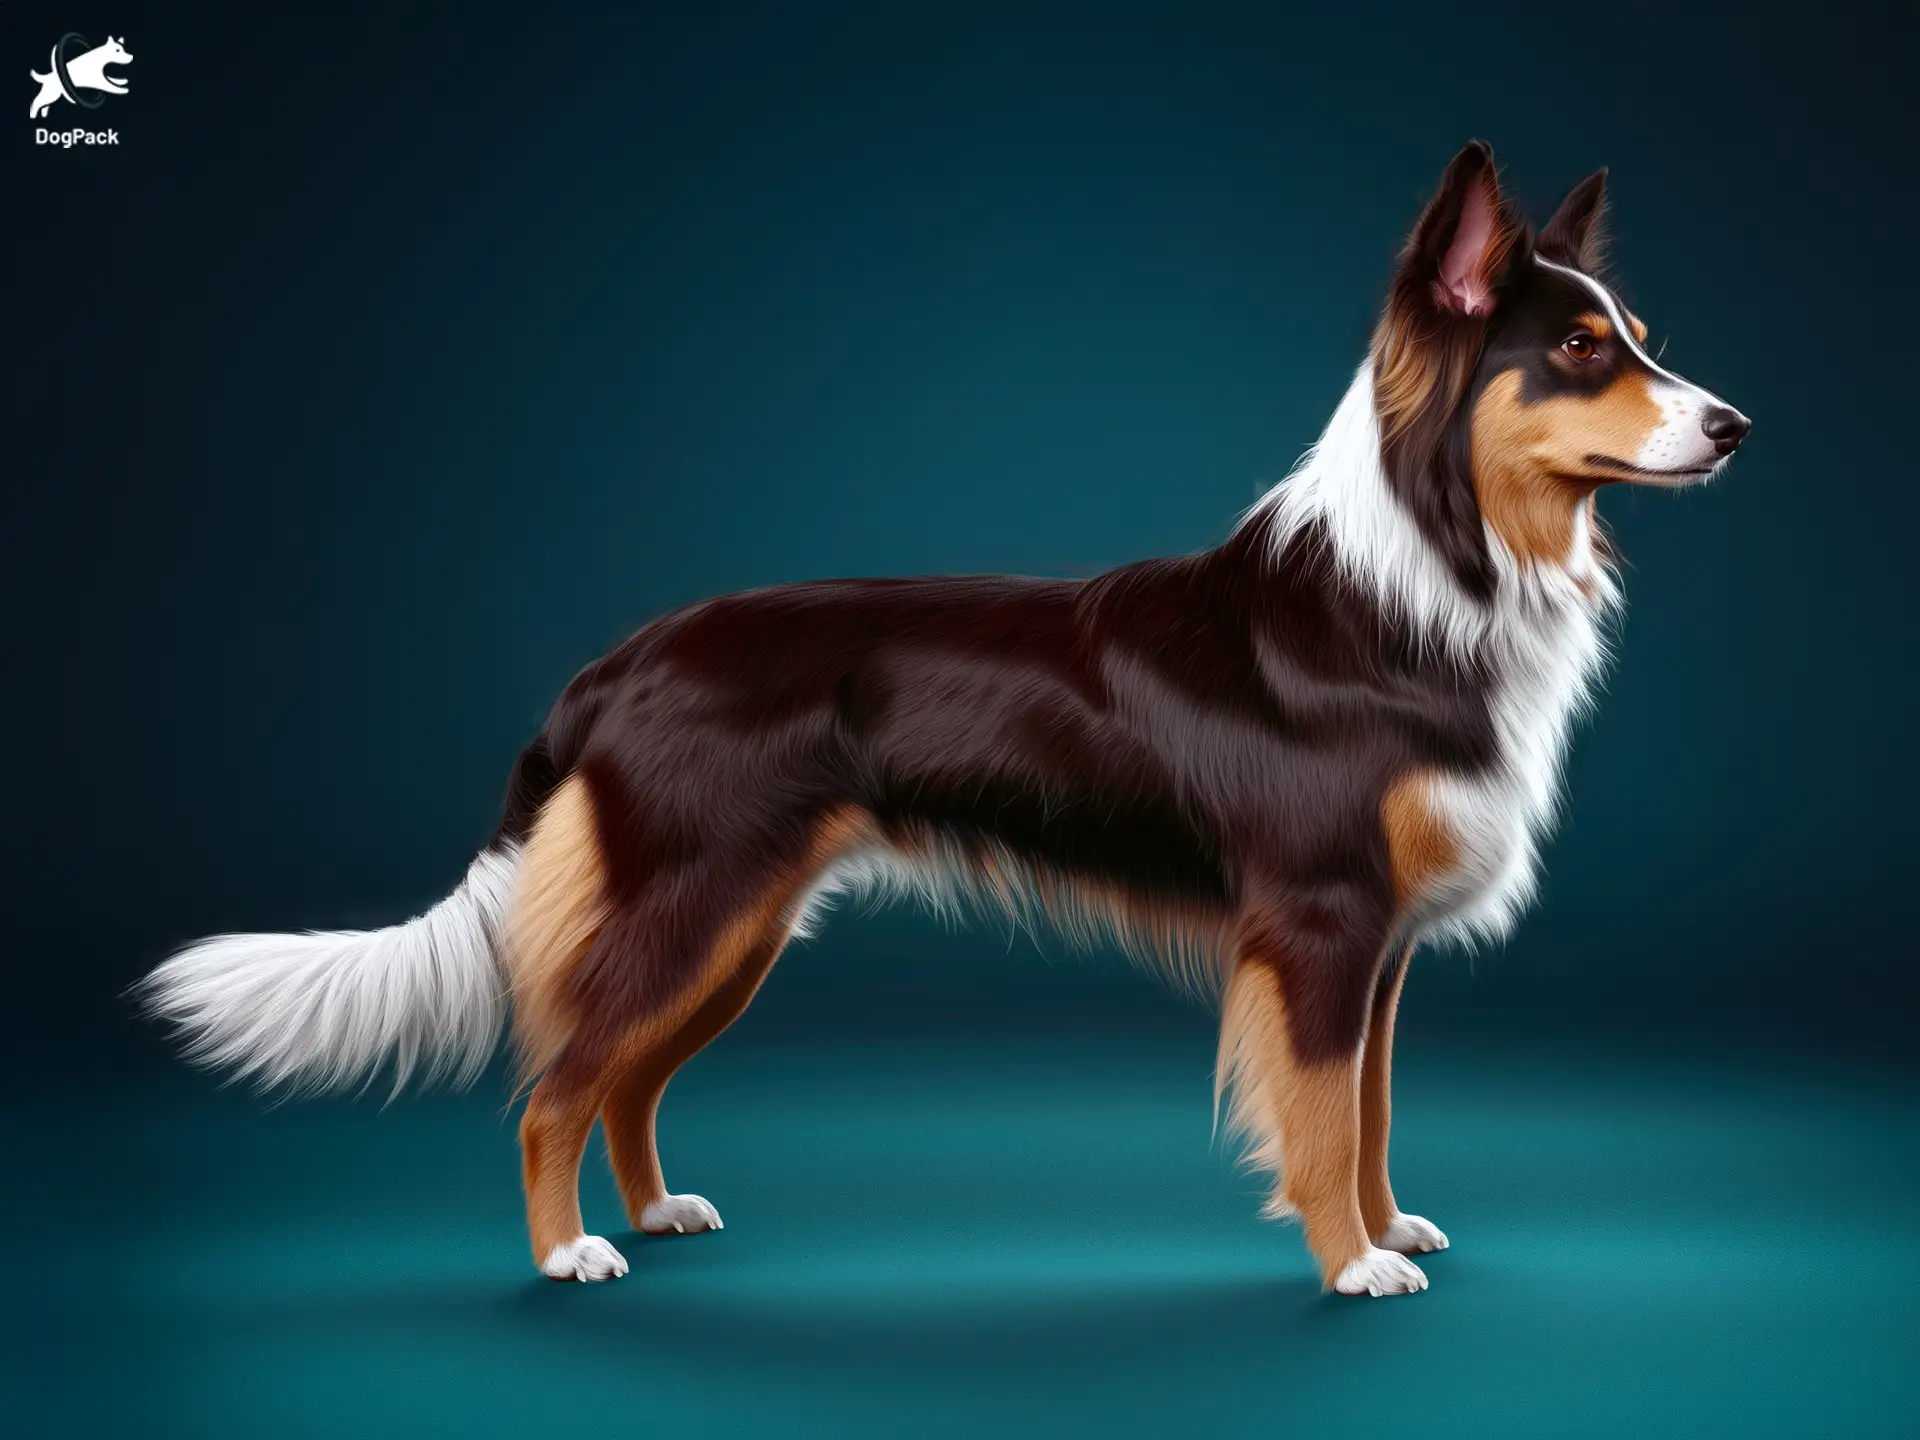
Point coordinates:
pixel 1623 470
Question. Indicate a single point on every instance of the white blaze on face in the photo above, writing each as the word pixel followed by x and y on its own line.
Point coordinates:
pixel 1678 445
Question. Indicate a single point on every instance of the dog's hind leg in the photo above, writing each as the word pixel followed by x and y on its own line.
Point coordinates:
pixel 1293 1034
pixel 1389 1227
pixel 553 1137
pixel 749 942
pixel 629 1112
pixel 628 1026
pixel 622 1040
pixel 559 919
pixel 618 1071
pixel 619 978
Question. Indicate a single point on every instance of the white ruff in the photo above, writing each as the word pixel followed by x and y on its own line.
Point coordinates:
pixel 1542 638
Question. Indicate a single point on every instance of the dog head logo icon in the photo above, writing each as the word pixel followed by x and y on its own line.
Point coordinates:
pixel 75 70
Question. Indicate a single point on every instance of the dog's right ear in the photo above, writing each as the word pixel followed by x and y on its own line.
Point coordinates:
pixel 1576 234
pixel 1452 273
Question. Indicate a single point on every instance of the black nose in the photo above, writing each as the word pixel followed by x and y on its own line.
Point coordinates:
pixel 1726 427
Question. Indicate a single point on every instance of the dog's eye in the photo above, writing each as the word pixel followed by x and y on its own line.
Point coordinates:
pixel 1579 347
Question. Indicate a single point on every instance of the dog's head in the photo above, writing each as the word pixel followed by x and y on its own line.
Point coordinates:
pixel 114 52
pixel 1511 382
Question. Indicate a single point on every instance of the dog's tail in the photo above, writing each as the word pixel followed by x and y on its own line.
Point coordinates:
pixel 327 1010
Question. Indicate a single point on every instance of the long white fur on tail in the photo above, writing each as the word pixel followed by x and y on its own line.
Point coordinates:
pixel 326 1010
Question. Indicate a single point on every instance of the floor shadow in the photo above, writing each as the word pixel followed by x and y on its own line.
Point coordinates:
pixel 1004 1327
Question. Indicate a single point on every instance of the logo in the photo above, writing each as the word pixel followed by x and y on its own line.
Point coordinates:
pixel 76 70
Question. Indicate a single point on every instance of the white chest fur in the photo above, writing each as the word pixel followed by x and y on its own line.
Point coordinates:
pixel 1542 639
pixel 1546 647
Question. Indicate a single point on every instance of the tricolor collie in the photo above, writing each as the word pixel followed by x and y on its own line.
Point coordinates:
pixel 1278 766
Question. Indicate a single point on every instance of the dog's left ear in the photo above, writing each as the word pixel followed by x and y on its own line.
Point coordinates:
pixel 1453 271
pixel 1459 251
pixel 1576 235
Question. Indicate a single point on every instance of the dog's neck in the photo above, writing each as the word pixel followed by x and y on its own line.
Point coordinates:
pixel 1340 486
pixel 1538 642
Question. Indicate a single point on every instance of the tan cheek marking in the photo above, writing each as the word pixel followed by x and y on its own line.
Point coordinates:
pixel 1420 847
pixel 1530 467
pixel 1616 422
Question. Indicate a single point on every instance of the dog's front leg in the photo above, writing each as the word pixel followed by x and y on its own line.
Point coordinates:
pixel 1390 1226
pixel 1293 1038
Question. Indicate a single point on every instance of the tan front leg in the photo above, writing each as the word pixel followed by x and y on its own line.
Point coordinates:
pixel 1304 1122
pixel 1387 1225
pixel 1377 1207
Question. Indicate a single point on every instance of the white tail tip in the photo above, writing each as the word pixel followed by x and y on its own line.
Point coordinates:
pixel 327 1010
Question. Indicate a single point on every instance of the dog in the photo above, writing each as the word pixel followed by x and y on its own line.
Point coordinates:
pixel 88 71
pixel 1277 766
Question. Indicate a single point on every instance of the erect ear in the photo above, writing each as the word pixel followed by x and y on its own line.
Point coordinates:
pixel 1452 272
pixel 1459 251
pixel 1576 235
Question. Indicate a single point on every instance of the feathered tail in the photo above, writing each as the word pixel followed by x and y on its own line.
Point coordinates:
pixel 326 1010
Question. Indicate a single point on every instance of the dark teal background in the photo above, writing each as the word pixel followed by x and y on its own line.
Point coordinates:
pixel 395 365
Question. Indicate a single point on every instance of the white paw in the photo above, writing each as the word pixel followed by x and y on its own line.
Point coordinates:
pixel 1380 1272
pixel 588 1258
pixel 679 1215
pixel 1410 1235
